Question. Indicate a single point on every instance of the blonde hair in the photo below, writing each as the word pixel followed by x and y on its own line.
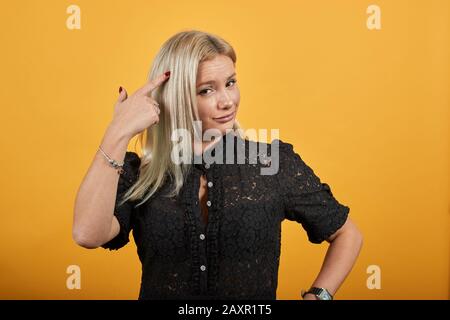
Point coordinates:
pixel 181 54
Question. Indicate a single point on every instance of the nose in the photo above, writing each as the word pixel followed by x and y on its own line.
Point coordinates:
pixel 225 101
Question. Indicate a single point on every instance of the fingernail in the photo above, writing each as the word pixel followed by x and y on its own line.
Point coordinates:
pixel 167 73
pixel 120 89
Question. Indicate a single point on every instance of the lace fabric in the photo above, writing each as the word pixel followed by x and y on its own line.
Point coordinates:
pixel 235 255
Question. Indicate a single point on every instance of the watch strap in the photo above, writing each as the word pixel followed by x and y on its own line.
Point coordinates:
pixel 320 293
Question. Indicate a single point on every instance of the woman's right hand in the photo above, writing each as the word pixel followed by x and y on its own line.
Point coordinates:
pixel 138 112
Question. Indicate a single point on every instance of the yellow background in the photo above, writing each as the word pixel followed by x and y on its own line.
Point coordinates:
pixel 366 109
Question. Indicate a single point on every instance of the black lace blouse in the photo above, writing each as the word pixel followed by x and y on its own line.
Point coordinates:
pixel 235 255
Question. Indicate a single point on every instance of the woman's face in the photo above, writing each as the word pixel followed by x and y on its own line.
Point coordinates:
pixel 217 93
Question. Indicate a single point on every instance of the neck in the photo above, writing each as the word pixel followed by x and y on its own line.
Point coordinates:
pixel 205 145
pixel 208 144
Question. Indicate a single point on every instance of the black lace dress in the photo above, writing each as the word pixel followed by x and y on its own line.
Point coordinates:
pixel 235 255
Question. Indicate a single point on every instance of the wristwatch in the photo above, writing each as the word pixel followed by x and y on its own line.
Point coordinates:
pixel 320 293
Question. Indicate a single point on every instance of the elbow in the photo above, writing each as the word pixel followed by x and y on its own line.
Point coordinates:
pixel 354 234
pixel 359 239
pixel 351 234
pixel 359 235
pixel 83 240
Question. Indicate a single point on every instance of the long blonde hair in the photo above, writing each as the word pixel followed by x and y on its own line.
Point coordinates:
pixel 181 54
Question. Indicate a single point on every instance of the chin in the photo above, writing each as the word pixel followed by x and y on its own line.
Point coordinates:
pixel 222 128
pixel 226 127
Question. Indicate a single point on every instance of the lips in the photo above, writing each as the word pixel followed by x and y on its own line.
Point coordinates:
pixel 226 117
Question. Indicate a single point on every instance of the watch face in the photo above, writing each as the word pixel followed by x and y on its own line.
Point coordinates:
pixel 324 295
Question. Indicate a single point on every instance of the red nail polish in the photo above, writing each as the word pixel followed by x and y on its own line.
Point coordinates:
pixel 120 89
pixel 167 73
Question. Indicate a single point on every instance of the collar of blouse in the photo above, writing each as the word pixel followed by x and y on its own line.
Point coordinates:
pixel 227 143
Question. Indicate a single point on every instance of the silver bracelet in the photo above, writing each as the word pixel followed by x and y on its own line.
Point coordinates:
pixel 112 162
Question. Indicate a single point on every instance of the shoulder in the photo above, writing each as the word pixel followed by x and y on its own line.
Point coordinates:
pixel 278 149
pixel 285 150
pixel 131 165
pixel 132 160
pixel 276 143
pixel 274 148
pixel 276 154
pixel 290 162
pixel 283 146
pixel 132 157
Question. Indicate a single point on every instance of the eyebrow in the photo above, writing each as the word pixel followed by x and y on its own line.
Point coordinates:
pixel 213 81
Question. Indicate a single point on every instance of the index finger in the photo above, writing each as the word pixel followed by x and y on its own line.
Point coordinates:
pixel 155 83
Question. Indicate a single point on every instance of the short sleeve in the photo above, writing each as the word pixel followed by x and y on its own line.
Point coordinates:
pixel 124 213
pixel 306 199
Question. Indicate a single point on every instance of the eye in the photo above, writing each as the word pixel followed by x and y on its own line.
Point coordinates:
pixel 204 91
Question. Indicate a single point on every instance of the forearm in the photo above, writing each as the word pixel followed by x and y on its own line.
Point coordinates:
pixel 94 204
pixel 339 260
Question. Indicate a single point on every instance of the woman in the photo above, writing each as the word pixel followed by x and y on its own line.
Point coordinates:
pixel 204 230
